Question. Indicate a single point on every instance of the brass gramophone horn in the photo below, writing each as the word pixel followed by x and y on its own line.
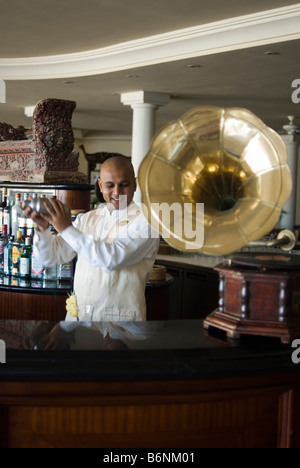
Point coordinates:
pixel 227 159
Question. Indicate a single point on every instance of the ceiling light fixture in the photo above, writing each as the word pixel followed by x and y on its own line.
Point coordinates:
pixel 194 66
pixel 28 111
pixel 270 52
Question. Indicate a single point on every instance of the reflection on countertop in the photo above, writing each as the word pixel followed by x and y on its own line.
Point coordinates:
pixel 147 335
pixel 106 351
pixel 122 351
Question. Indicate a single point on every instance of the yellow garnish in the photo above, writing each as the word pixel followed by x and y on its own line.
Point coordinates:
pixel 71 305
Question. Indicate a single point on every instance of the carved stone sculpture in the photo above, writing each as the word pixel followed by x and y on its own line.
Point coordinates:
pixel 8 132
pixel 49 156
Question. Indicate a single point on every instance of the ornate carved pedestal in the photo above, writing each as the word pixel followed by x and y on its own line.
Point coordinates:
pixel 259 300
pixel 48 157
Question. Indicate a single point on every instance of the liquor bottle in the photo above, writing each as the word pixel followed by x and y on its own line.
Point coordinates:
pixel 30 225
pixel 17 249
pixel 23 226
pixel 7 212
pixel 65 272
pixel 7 254
pixel 25 197
pixel 3 243
pixel 2 206
pixel 23 219
pixel 4 197
pixel 25 259
pixel 16 215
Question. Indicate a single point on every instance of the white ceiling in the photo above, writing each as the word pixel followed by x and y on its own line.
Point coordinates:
pixel 37 31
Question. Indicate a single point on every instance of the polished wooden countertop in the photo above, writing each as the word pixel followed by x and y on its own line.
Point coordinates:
pixel 151 350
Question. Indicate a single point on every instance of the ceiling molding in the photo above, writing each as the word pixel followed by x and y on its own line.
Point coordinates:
pixel 271 26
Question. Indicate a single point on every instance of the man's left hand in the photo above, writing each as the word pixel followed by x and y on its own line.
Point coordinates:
pixel 58 216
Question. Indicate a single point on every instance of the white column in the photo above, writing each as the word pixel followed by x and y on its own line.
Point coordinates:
pixel 288 216
pixel 144 105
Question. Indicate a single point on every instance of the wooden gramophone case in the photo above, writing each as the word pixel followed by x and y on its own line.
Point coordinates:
pixel 259 295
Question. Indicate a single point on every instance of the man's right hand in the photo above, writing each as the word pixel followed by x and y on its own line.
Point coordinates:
pixel 42 224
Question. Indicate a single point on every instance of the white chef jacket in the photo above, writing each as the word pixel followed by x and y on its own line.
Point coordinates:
pixel 115 255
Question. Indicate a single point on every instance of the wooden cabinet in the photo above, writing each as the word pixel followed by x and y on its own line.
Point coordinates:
pixel 200 293
pixel 194 293
pixel 175 292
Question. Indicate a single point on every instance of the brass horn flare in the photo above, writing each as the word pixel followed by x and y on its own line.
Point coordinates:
pixel 227 159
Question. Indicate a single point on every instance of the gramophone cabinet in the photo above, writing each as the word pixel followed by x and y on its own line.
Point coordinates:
pixel 257 302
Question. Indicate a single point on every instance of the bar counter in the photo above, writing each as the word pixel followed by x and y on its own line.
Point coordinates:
pixel 41 300
pixel 145 384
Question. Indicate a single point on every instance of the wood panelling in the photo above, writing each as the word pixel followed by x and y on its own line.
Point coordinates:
pixel 35 306
pixel 75 199
pixel 194 292
pixel 27 306
pixel 4 424
pixel 261 416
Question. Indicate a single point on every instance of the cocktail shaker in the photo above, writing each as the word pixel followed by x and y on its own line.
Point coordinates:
pixel 39 205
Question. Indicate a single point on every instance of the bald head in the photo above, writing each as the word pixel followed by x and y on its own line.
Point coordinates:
pixel 117 178
pixel 118 162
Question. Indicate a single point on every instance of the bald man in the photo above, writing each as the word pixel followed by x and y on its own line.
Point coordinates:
pixel 114 248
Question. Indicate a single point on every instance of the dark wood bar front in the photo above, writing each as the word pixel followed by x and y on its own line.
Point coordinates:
pixel 41 303
pixel 47 301
pixel 174 386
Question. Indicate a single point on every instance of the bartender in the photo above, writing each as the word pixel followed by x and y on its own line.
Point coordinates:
pixel 113 243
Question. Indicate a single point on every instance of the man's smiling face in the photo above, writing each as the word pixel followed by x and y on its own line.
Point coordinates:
pixel 116 181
